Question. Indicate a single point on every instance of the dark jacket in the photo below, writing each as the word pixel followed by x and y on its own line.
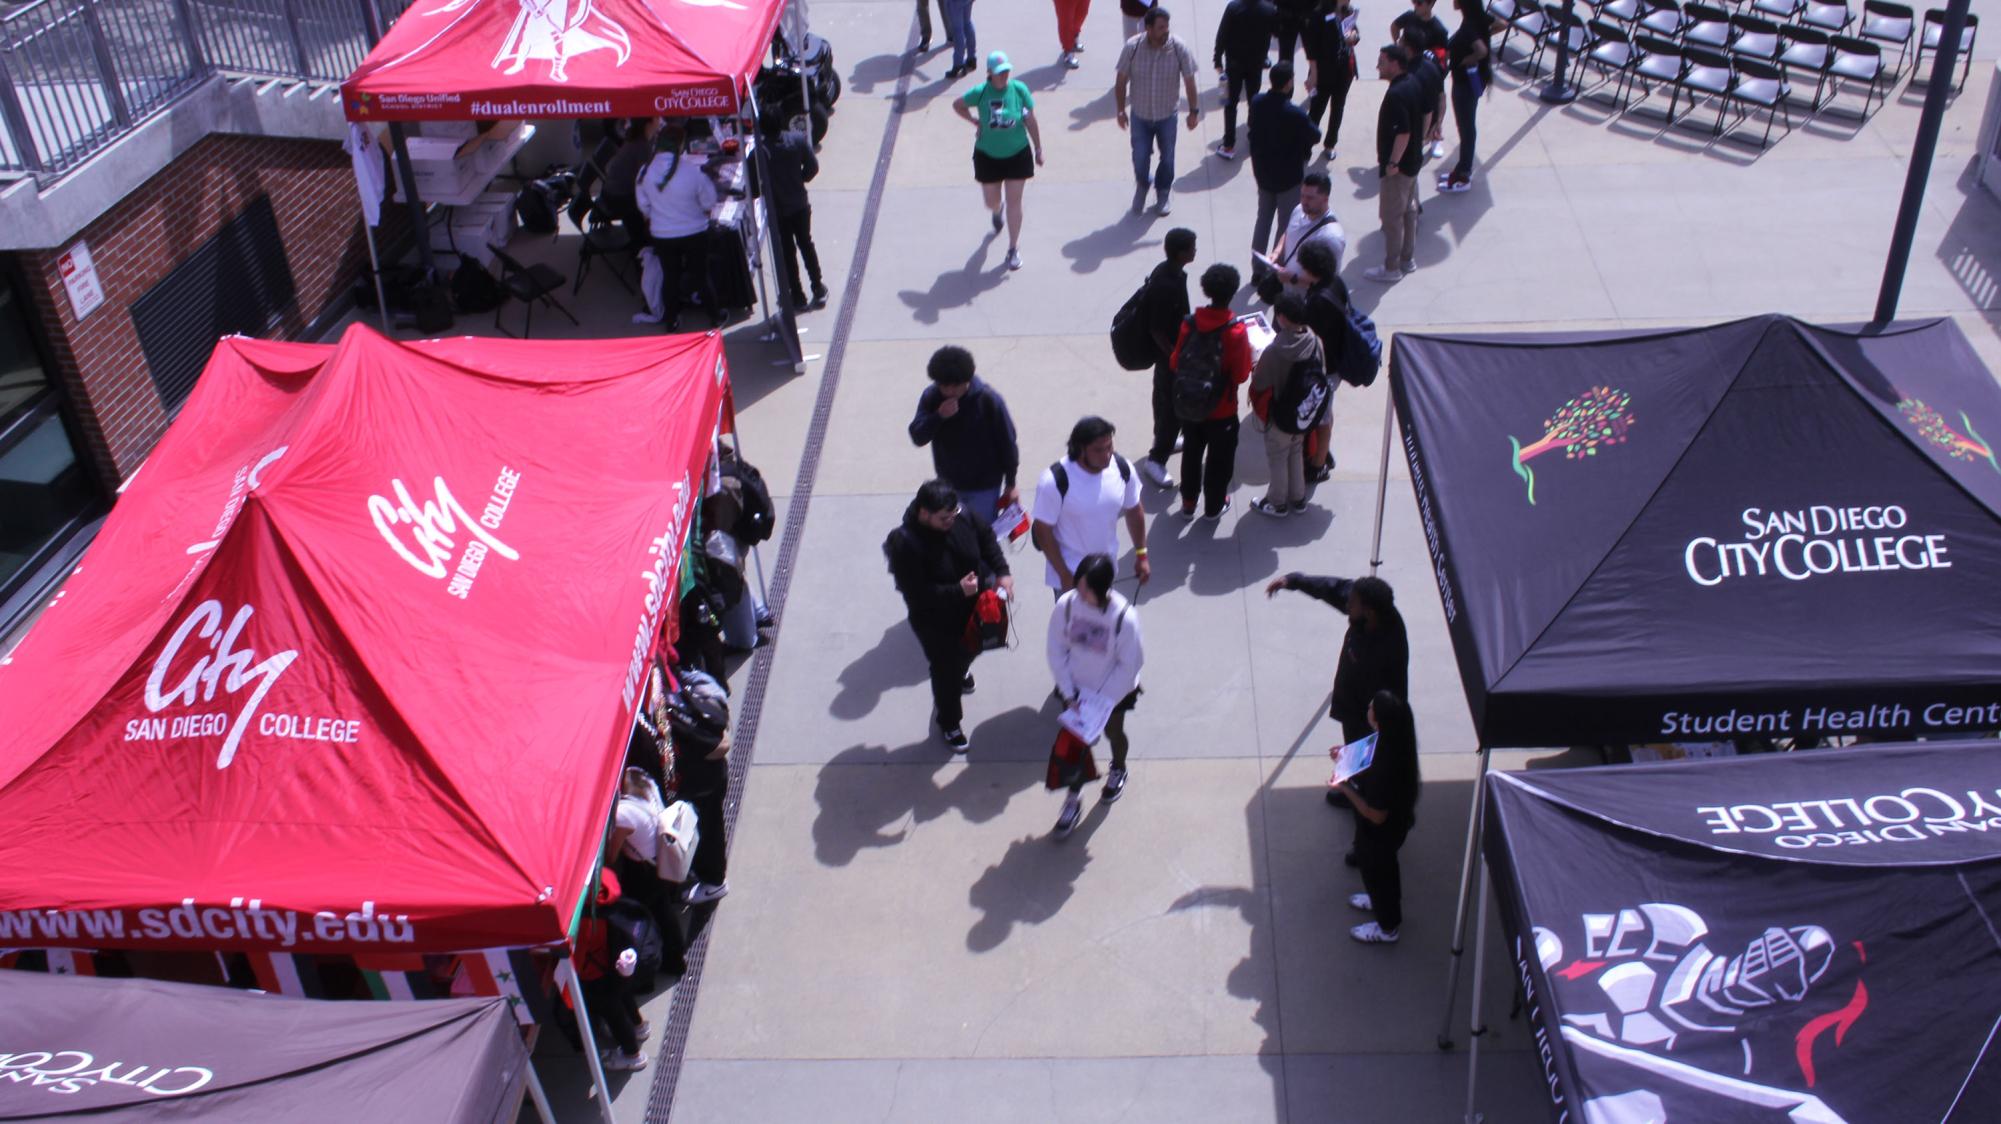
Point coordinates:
pixel 1327 315
pixel 928 564
pixel 974 449
pixel 1243 35
pixel 1372 659
pixel 621 173
pixel 1166 306
pixel 1282 139
pixel 793 166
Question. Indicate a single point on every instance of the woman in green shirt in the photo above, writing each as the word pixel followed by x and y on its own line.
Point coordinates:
pixel 1009 145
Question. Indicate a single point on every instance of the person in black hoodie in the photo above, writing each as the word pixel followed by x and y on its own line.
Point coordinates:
pixel 790 156
pixel 942 559
pixel 1375 654
pixel 971 434
pixel 1243 39
pixel 1164 308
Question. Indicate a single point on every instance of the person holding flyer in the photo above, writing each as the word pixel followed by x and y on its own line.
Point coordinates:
pixel 1095 653
pixel 1384 795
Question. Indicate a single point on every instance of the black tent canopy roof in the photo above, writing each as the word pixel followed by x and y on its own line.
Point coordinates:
pixel 1764 527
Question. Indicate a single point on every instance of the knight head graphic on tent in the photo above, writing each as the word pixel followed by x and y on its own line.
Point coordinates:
pixel 554 31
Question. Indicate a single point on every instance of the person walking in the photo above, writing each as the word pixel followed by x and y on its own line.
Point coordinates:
pixel 1095 654
pixel 1147 96
pixel 1470 54
pixel 1293 353
pixel 1327 298
pixel 943 558
pixel 1384 797
pixel 924 24
pixel 1243 44
pixel 1212 358
pixel 1290 24
pixel 1069 25
pixel 1330 35
pixel 971 434
pixel 964 39
pixel 676 196
pixel 1009 148
pixel 790 157
pixel 1282 139
pixel 1399 154
pixel 1079 501
pixel 1163 309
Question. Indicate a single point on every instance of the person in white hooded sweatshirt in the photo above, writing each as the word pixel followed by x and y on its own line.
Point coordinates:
pixel 1094 649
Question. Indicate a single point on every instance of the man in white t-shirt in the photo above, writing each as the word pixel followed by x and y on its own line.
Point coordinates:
pixel 1079 500
pixel 1312 221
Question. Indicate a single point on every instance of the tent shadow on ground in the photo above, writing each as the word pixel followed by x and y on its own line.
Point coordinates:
pixel 758 367
pixel 1127 235
pixel 895 661
pixel 957 288
pixel 1035 878
pixel 865 806
pixel 1970 250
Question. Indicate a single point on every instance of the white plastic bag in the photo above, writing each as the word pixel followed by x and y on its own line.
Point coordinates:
pixel 679 835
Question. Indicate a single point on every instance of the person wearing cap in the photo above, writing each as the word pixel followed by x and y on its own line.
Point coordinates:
pixel 1009 146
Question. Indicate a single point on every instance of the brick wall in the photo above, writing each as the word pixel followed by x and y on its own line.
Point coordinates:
pixel 142 238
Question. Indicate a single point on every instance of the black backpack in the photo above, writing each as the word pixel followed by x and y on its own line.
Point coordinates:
pixel 629 924
pixel 698 713
pixel 757 518
pixel 1132 344
pixel 474 289
pixel 1062 475
pixel 1302 399
pixel 1199 381
pixel 1361 349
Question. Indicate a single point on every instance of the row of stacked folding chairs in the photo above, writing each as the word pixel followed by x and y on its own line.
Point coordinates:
pixel 1748 57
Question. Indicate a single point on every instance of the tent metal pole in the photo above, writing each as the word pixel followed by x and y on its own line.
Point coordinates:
pixel 375 270
pixel 1382 483
pixel 536 1095
pixel 1476 1029
pixel 568 968
pixel 1473 815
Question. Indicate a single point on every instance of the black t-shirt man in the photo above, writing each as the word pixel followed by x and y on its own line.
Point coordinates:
pixel 1402 113
pixel 1430 29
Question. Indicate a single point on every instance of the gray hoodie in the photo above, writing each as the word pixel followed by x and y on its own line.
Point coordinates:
pixel 1275 364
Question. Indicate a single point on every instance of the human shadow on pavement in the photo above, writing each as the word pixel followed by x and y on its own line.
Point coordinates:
pixel 864 805
pixel 895 661
pixel 956 288
pixel 1034 880
pixel 1092 112
pixel 1043 78
pixel 1121 239
pixel 1209 172
pixel 878 69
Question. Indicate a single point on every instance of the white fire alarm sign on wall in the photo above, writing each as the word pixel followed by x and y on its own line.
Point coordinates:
pixel 80 278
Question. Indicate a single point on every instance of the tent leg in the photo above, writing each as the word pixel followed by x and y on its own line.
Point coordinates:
pixel 1476 1028
pixel 375 271
pixel 1382 484
pixel 535 1094
pixel 1465 890
pixel 569 970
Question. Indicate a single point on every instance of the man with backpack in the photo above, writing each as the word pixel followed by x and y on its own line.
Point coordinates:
pixel 1291 395
pixel 698 721
pixel 1212 356
pixel 1147 326
pixel 1079 501
pixel 943 559
pixel 971 434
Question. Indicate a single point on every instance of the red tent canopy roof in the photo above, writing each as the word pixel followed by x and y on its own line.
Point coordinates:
pixel 459 60
pixel 352 664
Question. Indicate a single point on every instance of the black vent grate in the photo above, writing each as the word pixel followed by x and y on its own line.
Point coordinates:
pixel 236 282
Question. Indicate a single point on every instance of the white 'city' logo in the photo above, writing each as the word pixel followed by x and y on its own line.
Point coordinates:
pixel 432 523
pixel 225 667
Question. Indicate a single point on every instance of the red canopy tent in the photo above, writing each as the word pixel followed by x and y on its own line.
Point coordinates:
pixel 352 665
pixel 457 60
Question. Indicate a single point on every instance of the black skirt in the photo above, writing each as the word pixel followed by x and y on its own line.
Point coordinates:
pixel 999 169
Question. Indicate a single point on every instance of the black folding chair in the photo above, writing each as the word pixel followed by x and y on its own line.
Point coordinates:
pixel 1831 16
pixel 1805 50
pixel 1614 54
pixel 1934 34
pixel 1890 25
pixel 1707 74
pixel 1661 61
pixel 1855 60
pixel 1762 85
pixel 529 284
pixel 605 237
pixel 1755 38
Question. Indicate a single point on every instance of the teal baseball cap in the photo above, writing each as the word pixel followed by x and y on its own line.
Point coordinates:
pixel 997 63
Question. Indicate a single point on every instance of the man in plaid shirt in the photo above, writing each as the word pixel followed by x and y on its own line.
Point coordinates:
pixel 1148 68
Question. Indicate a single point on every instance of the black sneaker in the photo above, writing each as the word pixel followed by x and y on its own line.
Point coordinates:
pixel 966 684
pixel 998 222
pixel 819 296
pixel 1115 785
pixel 1217 515
pixel 956 738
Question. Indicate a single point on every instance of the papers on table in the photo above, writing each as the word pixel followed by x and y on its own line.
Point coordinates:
pixel 1352 758
pixel 1087 719
pixel 1260 331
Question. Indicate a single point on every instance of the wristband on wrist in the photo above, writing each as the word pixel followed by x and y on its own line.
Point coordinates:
pixel 1140 553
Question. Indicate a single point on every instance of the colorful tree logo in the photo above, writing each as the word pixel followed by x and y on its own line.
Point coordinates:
pixel 1932 426
pixel 1600 416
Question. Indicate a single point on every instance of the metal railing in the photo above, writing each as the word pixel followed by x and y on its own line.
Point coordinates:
pixel 75 75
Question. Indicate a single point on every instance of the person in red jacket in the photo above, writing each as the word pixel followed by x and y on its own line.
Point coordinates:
pixel 1209 446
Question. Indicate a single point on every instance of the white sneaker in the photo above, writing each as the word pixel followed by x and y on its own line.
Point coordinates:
pixel 1372 933
pixel 1361 902
pixel 1382 275
pixel 702 892
pixel 648 317
pixel 1013 260
pixel 619 1060
pixel 1435 149
pixel 1070 60
pixel 1155 473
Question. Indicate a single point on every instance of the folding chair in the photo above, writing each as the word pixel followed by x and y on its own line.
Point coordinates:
pixel 1854 60
pixel 1627 12
pixel 1806 50
pixel 1561 24
pixel 1763 85
pixel 1708 26
pixel 1754 38
pixel 1889 24
pixel 528 284
pixel 1615 55
pixel 604 237
pixel 1779 9
pixel 1707 74
pixel 1661 61
pixel 1664 18
pixel 1531 20
pixel 1934 34
pixel 1831 16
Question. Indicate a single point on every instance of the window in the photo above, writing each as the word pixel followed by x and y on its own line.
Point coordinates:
pixel 46 492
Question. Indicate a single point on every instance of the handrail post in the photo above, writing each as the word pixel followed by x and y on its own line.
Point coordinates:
pixel 191 35
pixel 298 41
pixel 16 120
pixel 114 93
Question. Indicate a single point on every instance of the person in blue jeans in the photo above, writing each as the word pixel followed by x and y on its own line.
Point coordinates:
pixel 959 29
pixel 1154 69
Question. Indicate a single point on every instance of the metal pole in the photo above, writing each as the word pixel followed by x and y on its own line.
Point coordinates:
pixel 1559 91
pixel 1477 1029
pixel 1382 485
pixel 375 269
pixel 567 968
pixel 1473 815
pixel 1921 160
pixel 418 224
pixel 540 1098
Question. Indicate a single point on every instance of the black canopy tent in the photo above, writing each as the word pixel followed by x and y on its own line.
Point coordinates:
pixel 137 1049
pixel 1804 937
pixel 1763 528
